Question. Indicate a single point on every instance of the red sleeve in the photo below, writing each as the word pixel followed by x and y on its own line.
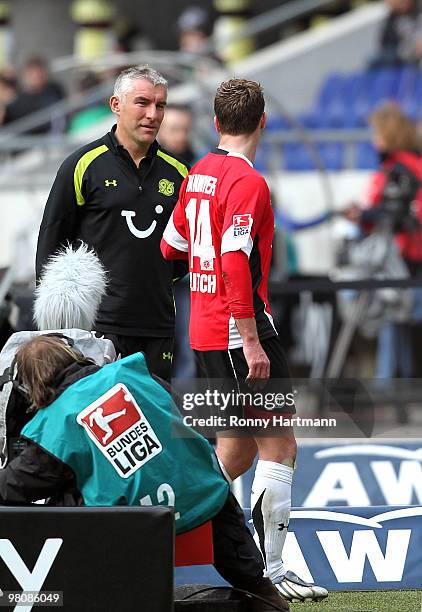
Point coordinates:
pixel 170 252
pixel 375 188
pixel 246 203
pixel 238 284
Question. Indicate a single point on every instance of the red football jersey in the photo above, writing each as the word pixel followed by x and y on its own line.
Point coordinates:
pixel 224 205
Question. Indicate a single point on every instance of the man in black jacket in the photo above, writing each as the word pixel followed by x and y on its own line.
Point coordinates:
pixel 117 194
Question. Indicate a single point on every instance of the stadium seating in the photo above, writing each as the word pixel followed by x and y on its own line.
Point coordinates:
pixel 345 102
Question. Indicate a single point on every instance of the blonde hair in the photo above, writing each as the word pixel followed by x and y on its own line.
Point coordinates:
pixel 396 129
pixel 39 361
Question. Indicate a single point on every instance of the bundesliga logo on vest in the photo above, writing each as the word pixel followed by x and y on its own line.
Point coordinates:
pixel 120 430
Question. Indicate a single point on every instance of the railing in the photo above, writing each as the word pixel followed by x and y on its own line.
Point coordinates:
pixel 180 67
pixel 177 64
pixel 53 148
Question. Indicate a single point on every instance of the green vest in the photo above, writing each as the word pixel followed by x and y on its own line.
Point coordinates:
pixel 122 435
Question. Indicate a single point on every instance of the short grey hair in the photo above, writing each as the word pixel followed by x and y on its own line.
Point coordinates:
pixel 125 78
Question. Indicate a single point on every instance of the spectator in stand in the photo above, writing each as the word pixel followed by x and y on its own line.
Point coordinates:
pixel 176 131
pixel 130 36
pixel 175 135
pixel 195 28
pixel 395 138
pixel 8 92
pixel 401 34
pixel 38 92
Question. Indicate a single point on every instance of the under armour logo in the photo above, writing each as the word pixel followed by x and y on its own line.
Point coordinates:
pixel 168 356
pixel 282 526
pixel 112 183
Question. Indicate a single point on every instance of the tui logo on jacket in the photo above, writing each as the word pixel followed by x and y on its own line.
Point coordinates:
pixel 120 430
pixel 166 187
pixel 128 214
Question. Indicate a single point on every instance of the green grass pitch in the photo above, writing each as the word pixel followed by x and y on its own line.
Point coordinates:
pixel 374 601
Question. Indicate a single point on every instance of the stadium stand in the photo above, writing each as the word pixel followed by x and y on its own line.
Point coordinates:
pixel 344 102
pixel 356 526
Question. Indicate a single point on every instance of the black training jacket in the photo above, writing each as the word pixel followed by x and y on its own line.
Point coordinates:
pixel 101 197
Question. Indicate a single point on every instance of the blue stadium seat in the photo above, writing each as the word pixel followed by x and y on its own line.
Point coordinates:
pixel 383 85
pixel 346 101
pixel 357 101
pixel 277 122
pixel 332 154
pixel 328 106
pixel 406 83
pixel 366 158
pixel 296 157
pixel 299 157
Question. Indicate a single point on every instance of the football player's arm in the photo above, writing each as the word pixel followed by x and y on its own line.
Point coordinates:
pixel 34 475
pixel 238 286
pixel 60 218
pixel 170 252
pixel 174 244
pixel 242 217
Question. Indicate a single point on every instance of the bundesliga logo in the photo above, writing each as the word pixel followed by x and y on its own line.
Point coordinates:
pixel 120 430
pixel 242 224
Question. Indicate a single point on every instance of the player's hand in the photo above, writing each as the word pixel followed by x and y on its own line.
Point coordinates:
pixel 258 363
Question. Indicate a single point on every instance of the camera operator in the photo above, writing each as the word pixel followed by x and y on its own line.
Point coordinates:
pixel 62 459
pixel 394 209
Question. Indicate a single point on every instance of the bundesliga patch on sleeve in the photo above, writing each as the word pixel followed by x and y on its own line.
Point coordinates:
pixel 120 430
pixel 242 225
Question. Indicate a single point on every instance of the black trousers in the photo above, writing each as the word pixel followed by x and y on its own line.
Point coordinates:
pixel 158 351
pixel 236 556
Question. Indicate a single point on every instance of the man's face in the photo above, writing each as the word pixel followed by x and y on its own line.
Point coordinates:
pixel 176 130
pixel 35 78
pixel 140 110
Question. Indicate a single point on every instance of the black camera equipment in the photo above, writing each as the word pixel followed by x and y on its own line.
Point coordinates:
pixel 396 212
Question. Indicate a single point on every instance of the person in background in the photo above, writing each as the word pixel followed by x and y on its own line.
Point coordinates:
pixel 401 35
pixel 176 131
pixel 8 92
pixel 195 28
pixel 38 92
pixel 175 135
pixel 395 138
